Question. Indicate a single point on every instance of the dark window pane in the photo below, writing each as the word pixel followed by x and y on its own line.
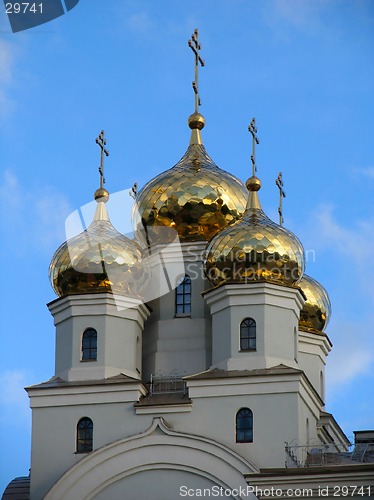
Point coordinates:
pixel 89 344
pixel 248 334
pixel 84 435
pixel 244 426
pixel 183 296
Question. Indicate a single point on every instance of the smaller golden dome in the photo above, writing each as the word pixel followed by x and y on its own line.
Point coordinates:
pixel 316 311
pixel 254 248
pixel 100 259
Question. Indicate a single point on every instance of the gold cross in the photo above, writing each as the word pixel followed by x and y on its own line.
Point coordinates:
pixel 134 191
pixel 194 44
pixel 255 140
pixel 282 194
pixel 101 141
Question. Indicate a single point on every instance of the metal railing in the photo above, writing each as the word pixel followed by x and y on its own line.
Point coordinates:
pixel 164 384
pixel 319 454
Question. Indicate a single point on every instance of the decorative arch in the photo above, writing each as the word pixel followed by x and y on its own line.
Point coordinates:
pixel 159 448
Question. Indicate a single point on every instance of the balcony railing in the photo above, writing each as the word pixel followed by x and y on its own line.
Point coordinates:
pixel 166 384
pixel 322 454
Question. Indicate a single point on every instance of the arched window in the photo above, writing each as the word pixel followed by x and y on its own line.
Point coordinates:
pixel 89 345
pixel 84 435
pixel 248 335
pixel 244 426
pixel 183 297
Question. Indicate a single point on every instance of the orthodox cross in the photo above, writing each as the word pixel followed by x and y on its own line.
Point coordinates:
pixel 194 44
pixel 282 194
pixel 255 140
pixel 134 190
pixel 101 141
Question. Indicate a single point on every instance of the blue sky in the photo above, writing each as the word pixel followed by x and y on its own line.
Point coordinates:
pixel 303 68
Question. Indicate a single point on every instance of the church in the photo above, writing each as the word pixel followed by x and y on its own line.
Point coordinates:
pixel 190 358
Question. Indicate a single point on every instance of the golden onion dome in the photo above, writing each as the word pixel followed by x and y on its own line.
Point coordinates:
pixel 100 259
pixel 195 197
pixel 316 311
pixel 254 248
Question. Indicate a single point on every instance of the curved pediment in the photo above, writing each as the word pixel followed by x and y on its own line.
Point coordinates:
pixel 159 460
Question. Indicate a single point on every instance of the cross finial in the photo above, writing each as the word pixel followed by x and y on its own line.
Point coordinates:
pixel 282 194
pixel 255 140
pixel 101 141
pixel 194 44
pixel 134 190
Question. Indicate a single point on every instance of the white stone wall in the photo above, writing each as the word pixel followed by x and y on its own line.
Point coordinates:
pixel 175 344
pixel 119 324
pixel 313 351
pixel 275 309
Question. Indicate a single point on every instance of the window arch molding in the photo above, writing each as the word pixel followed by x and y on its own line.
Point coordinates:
pixel 89 345
pixel 183 296
pixel 84 442
pixel 244 426
pixel 248 335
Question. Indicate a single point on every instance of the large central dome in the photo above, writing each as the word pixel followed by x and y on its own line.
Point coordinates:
pixel 195 197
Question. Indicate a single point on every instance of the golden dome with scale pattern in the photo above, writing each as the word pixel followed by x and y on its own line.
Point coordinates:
pixel 100 259
pixel 254 248
pixel 195 197
pixel 316 311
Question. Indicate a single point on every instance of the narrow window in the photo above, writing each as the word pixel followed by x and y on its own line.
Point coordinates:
pixel 183 297
pixel 248 335
pixel 89 345
pixel 307 431
pixel 244 426
pixel 84 435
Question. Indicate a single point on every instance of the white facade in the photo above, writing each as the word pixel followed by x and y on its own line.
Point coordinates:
pixel 163 445
pixel 199 391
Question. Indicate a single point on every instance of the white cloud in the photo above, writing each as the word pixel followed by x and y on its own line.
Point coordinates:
pixel 347 246
pixel 345 251
pixel 300 13
pixel 348 241
pixel 7 60
pixel 306 16
pixel 32 215
pixel 367 172
pixel 352 356
pixel 11 389
pixel 140 22
pixel 14 402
